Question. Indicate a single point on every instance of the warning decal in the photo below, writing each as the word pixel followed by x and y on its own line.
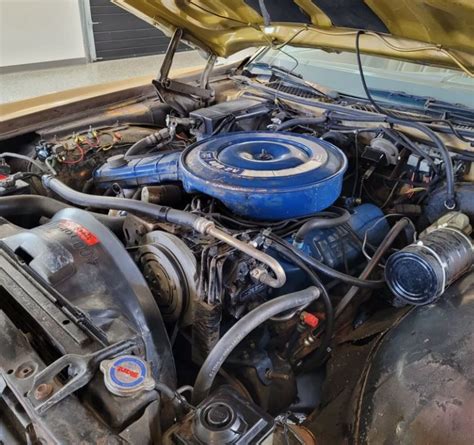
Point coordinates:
pixel 84 234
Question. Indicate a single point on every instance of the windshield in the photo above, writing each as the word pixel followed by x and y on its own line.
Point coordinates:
pixel 339 71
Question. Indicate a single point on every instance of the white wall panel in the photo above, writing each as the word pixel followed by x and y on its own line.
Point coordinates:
pixel 38 31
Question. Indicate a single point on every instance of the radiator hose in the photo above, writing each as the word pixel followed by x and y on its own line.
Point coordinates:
pixel 37 205
pixel 240 330
pixel 339 217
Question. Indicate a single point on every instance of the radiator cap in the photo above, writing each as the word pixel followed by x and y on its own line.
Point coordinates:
pixel 127 375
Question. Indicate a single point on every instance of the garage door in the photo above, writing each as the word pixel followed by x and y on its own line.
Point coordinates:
pixel 118 34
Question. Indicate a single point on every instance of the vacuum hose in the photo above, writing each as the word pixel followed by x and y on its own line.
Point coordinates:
pixel 450 201
pixel 281 246
pixel 153 140
pixel 301 121
pixel 372 264
pixel 240 330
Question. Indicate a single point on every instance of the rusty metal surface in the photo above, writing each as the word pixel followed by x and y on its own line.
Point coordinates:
pixel 54 426
pixel 408 381
pixel 419 387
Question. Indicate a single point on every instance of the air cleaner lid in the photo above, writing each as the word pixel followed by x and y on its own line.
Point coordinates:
pixel 265 175
pixel 127 375
pixel 262 159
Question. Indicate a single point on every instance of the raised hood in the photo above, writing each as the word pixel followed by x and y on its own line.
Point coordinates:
pixel 436 32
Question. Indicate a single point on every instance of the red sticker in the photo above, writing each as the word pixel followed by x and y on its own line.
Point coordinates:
pixel 85 235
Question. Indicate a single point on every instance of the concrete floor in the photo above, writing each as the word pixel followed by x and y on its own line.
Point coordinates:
pixel 27 84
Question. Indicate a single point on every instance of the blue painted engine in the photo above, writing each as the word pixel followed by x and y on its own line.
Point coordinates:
pixel 273 184
pixel 337 247
pixel 147 170
pixel 334 246
pixel 260 175
pixel 264 176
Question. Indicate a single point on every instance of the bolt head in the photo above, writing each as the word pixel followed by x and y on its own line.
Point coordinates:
pixel 43 391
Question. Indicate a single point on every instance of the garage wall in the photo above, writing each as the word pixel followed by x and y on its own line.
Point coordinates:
pixel 39 32
pixel 118 34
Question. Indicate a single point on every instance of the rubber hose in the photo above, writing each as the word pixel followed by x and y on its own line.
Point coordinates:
pixel 323 223
pixel 326 270
pixel 406 142
pixel 148 141
pixel 137 147
pixel 173 396
pixel 173 216
pixel 156 211
pixel 29 159
pixel 240 330
pixel 319 354
pixel 444 153
pixel 20 205
pixel 441 148
pixel 301 121
pixel 379 253
pixel 333 273
pixel 434 207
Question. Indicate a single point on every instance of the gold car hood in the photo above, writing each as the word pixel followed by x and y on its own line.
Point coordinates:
pixel 436 32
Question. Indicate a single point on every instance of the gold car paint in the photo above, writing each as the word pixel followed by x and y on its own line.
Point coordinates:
pixel 435 32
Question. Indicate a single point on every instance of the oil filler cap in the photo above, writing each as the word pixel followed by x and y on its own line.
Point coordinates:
pixel 127 375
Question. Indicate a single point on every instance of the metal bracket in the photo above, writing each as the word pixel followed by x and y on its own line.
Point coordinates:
pixel 170 52
pixel 259 360
pixel 202 91
pixel 81 367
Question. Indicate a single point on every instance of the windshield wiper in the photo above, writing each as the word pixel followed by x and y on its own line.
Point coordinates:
pixel 274 69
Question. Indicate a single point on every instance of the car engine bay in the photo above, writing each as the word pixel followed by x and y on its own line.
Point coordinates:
pixel 197 268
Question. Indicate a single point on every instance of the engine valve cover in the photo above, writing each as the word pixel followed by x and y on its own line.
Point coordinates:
pixel 265 175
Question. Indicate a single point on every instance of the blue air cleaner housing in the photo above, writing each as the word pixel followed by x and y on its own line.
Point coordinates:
pixel 265 175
